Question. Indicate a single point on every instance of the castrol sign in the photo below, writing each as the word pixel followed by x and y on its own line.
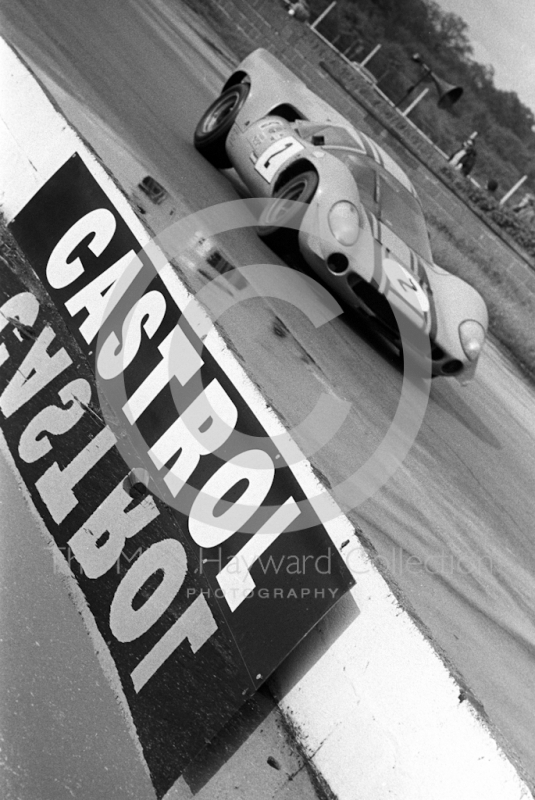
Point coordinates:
pixel 197 550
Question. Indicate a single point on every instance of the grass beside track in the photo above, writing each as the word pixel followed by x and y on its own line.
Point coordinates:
pixel 511 306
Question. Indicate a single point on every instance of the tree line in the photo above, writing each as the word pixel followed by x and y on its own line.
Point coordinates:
pixel 506 142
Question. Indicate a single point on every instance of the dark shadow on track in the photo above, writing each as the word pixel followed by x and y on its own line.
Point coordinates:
pixel 314 646
pixel 256 710
pixel 229 740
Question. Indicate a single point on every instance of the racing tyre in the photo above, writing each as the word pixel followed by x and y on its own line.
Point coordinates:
pixel 213 127
pixel 274 220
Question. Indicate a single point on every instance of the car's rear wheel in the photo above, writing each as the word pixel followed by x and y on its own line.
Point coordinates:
pixel 214 125
pixel 279 220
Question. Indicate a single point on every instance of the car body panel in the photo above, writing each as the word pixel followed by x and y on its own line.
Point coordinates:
pixel 284 127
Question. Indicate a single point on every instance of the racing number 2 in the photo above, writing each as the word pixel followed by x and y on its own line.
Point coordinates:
pixel 401 286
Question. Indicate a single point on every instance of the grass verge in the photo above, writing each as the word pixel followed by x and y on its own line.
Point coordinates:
pixel 511 305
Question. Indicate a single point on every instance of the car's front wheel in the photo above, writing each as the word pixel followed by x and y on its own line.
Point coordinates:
pixel 214 125
pixel 282 217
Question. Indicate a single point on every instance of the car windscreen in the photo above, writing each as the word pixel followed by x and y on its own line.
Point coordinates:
pixel 385 197
pixel 400 210
pixel 364 172
pixel 331 134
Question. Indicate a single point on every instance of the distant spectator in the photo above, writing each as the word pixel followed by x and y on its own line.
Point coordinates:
pixel 468 160
pixel 465 158
pixel 492 185
pixel 525 210
pixel 299 9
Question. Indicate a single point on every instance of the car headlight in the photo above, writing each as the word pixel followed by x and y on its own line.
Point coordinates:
pixel 344 222
pixel 472 336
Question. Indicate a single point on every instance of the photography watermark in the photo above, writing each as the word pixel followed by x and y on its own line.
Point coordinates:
pixel 307 567
pixel 207 418
pixel 234 595
pixel 283 564
pixel 447 564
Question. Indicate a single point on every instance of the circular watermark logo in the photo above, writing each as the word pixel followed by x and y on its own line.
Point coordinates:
pixel 205 418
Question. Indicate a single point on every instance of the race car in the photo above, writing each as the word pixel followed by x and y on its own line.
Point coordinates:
pixel 360 224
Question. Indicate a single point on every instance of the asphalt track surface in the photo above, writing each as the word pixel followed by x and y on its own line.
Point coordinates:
pixel 454 526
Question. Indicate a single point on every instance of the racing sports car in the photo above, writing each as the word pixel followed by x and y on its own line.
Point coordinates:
pixel 363 230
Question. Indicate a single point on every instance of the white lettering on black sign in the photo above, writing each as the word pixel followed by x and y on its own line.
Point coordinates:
pixel 192 620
